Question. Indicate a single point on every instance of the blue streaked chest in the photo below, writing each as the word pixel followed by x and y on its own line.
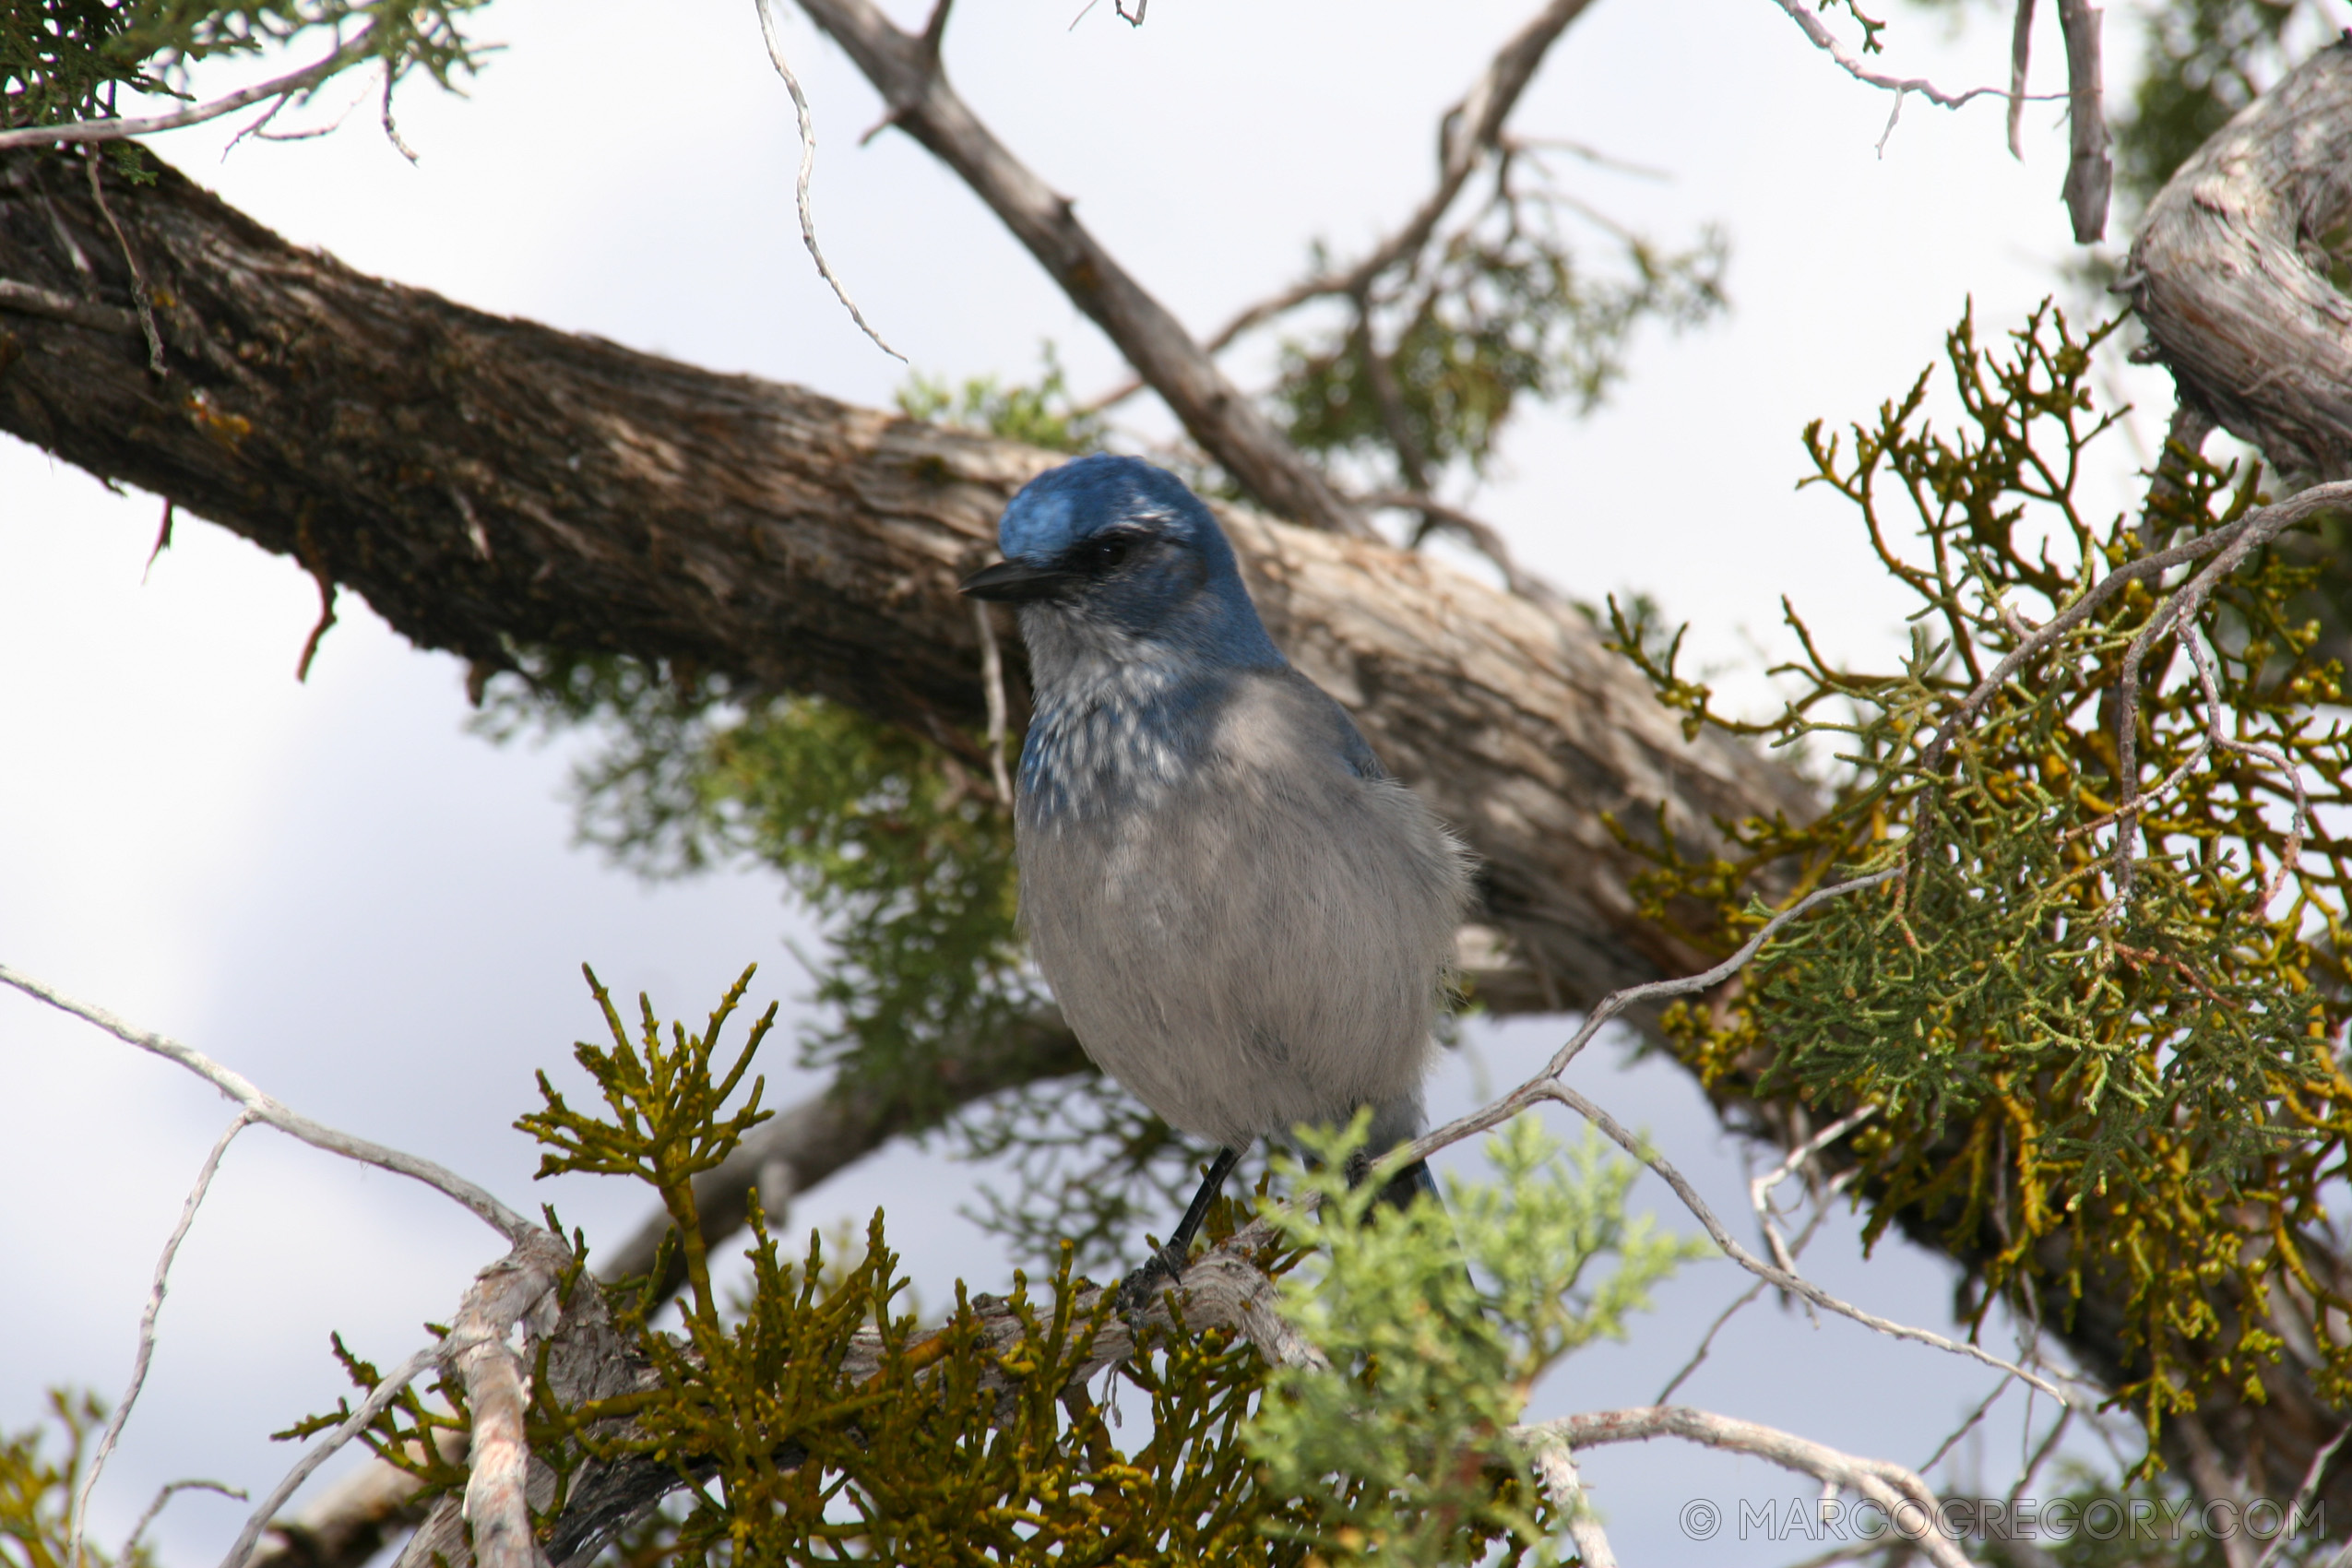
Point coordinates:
pixel 1120 739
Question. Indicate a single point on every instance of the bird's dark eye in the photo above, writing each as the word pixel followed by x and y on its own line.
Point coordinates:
pixel 1104 554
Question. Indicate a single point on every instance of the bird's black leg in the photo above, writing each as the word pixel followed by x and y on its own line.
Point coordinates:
pixel 1169 1260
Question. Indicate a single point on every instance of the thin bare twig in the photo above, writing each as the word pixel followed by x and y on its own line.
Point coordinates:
pixel 286 86
pixel 1796 1250
pixel 2304 1493
pixel 2292 851
pixel 163 1495
pixel 1760 1189
pixel 1818 33
pixel 808 169
pixel 264 1109
pixel 146 1353
pixel 1466 133
pixel 379 1397
pixel 391 127
pixel 1795 1283
pixel 1965 1427
pixel 2041 1454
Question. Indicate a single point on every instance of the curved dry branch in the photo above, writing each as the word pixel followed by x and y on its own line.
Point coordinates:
pixel 1899 1493
pixel 261 1108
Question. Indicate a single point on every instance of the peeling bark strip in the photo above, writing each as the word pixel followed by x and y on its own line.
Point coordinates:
pixel 487 484
pixel 2230 274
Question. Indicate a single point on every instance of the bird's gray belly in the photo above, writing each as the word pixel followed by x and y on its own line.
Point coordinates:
pixel 1244 962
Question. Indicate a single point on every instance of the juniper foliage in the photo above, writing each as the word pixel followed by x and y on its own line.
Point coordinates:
pixel 63 61
pixel 810 1417
pixel 36 1488
pixel 1431 1363
pixel 2104 1061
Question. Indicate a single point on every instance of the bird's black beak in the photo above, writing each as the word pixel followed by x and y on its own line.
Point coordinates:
pixel 1015 581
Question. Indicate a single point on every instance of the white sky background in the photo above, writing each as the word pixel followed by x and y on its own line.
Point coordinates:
pixel 379 919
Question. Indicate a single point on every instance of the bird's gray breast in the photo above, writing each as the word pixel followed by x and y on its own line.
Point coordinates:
pixel 1258 935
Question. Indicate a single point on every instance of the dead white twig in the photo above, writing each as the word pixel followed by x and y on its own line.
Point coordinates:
pixel 484 1206
pixel 164 1494
pixel 1795 1283
pixel 146 1353
pixel 2021 53
pixel 383 1394
pixel 1907 1502
pixel 808 169
pixel 1760 1189
pixel 1818 33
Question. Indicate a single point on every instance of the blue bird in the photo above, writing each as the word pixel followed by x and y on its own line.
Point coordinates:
pixel 1246 920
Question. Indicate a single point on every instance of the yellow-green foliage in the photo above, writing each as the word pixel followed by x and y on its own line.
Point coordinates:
pixel 2091 1077
pixel 37 1491
pixel 1429 1367
pixel 64 60
pixel 811 1416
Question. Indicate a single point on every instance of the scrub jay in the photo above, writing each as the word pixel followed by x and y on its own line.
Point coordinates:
pixel 1246 920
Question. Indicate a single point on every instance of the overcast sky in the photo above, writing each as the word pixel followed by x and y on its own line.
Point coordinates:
pixel 380 919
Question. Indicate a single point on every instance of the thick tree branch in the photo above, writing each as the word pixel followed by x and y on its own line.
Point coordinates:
pixel 490 485
pixel 2230 275
pixel 1228 426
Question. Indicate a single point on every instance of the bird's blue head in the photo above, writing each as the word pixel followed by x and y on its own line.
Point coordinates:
pixel 1116 554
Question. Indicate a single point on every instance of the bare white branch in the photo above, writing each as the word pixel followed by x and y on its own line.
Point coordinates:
pixel 485 1208
pixel 383 1394
pixel 808 169
pixel 1793 1283
pixel 163 1495
pixel 1818 33
pixel 497 1390
pixel 146 1353
pixel 1907 1501
pixel 1556 1469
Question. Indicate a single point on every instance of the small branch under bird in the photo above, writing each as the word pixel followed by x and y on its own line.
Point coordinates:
pixel 1246 920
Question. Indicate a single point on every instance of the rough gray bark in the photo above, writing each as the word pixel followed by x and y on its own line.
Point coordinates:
pixel 2230 274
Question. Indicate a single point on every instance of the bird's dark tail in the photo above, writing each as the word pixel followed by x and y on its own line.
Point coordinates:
pixel 1407 1185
